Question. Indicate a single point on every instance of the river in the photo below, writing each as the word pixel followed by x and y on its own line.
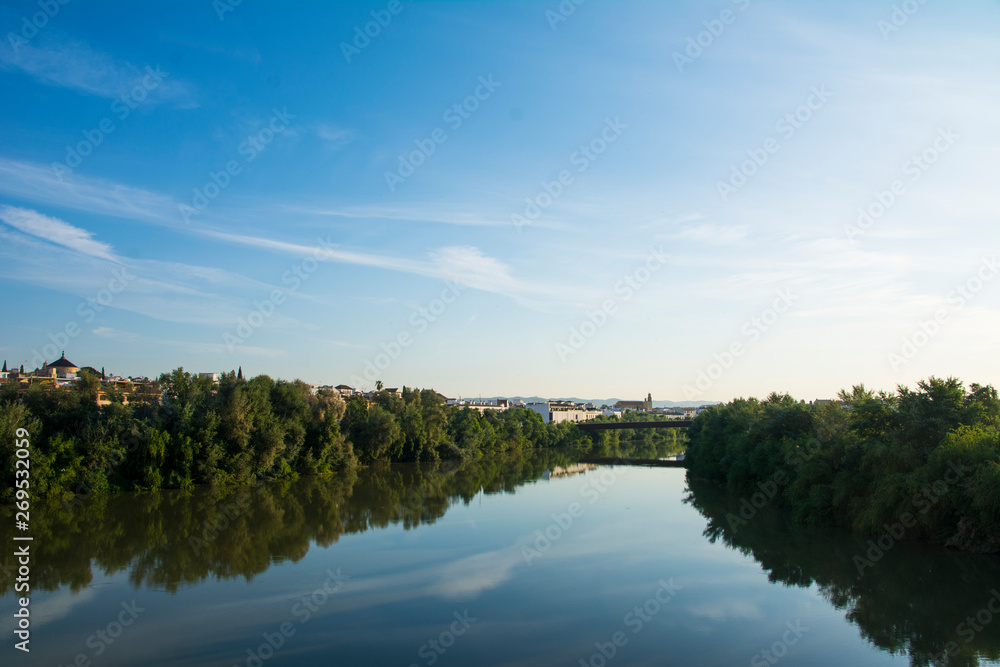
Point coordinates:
pixel 532 560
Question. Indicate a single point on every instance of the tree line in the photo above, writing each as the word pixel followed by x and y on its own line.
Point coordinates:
pixel 240 430
pixel 916 463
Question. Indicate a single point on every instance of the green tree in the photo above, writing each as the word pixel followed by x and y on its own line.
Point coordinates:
pixel 377 439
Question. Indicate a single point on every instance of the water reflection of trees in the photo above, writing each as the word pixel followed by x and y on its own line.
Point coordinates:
pixel 169 539
pixel 912 600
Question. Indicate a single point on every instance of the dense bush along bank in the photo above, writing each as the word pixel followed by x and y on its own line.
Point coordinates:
pixel 921 463
pixel 239 431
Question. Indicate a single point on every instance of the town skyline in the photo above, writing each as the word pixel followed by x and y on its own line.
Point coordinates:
pixel 15 371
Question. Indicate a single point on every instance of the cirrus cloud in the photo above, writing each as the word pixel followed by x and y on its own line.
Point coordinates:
pixel 56 231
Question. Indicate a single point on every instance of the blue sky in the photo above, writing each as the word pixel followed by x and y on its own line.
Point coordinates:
pixel 629 197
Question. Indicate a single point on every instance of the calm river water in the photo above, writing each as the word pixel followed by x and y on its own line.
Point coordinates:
pixel 519 561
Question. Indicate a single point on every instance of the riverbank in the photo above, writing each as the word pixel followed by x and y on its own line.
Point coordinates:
pixel 239 432
pixel 917 464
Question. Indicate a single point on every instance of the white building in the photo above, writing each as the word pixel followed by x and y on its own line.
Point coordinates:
pixel 498 405
pixel 563 411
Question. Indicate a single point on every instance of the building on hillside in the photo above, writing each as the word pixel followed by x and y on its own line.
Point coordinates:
pixel 499 405
pixel 60 373
pixel 637 406
pixel 111 388
pixel 214 377
pixel 63 366
pixel 344 390
pixel 562 411
pixel 373 395
pixel 146 391
pixel 131 391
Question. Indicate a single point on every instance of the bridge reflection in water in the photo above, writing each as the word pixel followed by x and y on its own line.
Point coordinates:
pixel 604 426
pixel 676 462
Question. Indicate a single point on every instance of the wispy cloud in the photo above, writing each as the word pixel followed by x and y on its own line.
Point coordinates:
pixel 76 66
pixel 724 610
pixel 32 181
pixel 190 346
pixel 162 291
pixel 465 264
pixel 336 137
pixel 56 231
pixel 714 234
pixel 472 267
pixel 434 213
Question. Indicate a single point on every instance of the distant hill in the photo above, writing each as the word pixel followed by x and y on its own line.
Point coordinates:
pixel 598 401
